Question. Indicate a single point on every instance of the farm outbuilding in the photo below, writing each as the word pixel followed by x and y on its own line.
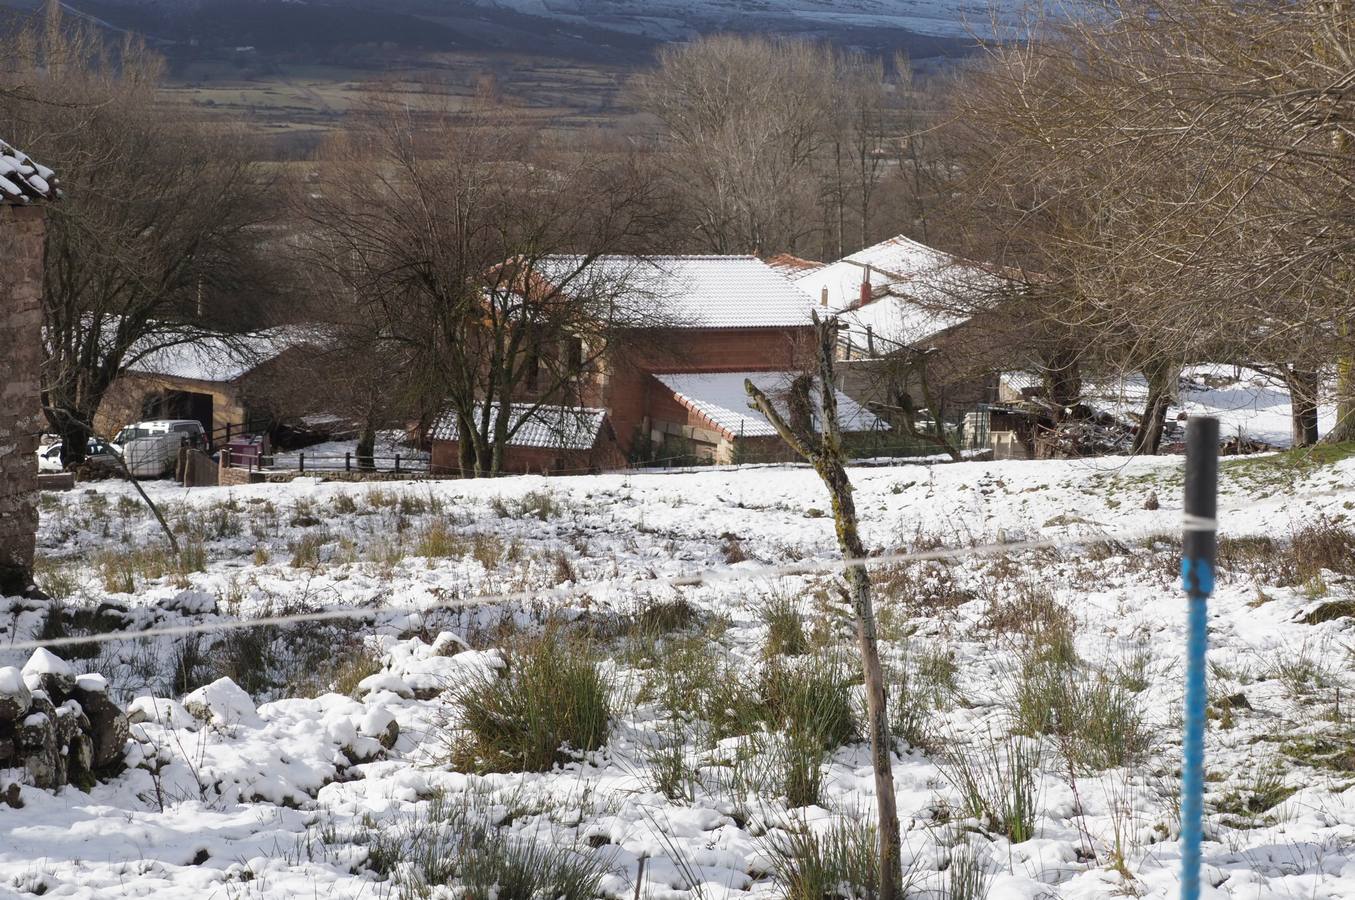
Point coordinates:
pixel 212 379
pixel 545 440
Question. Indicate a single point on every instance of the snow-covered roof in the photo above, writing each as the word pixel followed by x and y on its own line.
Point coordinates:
pixel 696 291
pixel 22 180
pixel 914 291
pixel 720 398
pixel 892 323
pixel 549 427
pixel 219 358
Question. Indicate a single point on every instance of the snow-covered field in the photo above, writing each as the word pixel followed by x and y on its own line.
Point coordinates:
pixel 272 785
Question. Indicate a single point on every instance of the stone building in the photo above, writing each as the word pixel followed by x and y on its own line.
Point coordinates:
pixel 24 185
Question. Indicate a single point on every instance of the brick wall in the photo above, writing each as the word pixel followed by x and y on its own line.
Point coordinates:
pixel 630 393
pixel 21 248
pixel 445 459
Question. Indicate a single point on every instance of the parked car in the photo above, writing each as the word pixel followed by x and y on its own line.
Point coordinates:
pixel 98 451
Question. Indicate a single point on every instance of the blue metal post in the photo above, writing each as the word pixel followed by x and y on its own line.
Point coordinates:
pixel 1197 574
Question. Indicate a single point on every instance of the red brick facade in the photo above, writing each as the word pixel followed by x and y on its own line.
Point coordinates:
pixel 635 400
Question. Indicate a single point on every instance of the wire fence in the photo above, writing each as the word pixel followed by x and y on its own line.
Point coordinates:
pixel 699 577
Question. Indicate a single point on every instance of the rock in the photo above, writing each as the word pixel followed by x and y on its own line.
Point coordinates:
pixel 380 724
pixel 1151 502
pixel 14 796
pixel 14 694
pixel 80 762
pixel 223 702
pixel 385 681
pixel 55 674
pixel 109 729
pixel 91 683
pixel 7 751
pixel 43 759
pixel 160 710
pixel 1237 701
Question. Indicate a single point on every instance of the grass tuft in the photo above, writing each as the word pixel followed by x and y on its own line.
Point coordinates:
pixel 551 703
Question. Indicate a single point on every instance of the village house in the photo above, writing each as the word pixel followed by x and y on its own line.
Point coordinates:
pixel 24 185
pixel 668 391
pixel 909 334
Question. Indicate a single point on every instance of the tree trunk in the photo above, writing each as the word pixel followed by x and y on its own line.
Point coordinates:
pixel 825 452
pixel 1162 380
pixel 1304 386
pixel 367 447
pixel 1344 429
pixel 75 431
pixel 1063 383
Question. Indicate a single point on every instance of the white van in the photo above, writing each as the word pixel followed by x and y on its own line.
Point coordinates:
pixel 151 449
pixel 194 434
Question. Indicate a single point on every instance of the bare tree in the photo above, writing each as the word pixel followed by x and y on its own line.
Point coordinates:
pixel 155 226
pixel 824 450
pixel 743 129
pixel 486 257
pixel 1185 169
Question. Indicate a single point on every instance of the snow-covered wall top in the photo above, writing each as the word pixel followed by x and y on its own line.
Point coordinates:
pixel 22 180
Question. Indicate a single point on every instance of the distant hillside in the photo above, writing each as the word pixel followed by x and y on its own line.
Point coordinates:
pixel 677 19
pixel 604 31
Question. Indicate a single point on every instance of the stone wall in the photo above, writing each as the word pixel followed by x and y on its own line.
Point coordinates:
pixel 21 421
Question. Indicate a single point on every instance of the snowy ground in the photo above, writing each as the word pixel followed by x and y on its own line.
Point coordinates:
pixel 268 795
pixel 1249 405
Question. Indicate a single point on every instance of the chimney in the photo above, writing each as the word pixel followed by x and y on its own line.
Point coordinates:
pixel 823 296
pixel 865 288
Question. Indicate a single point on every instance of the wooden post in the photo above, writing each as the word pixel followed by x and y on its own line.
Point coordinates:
pixel 825 452
pixel 397 464
pixel 301 462
pixel 347 462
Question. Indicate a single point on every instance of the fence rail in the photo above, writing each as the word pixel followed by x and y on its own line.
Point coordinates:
pixel 303 462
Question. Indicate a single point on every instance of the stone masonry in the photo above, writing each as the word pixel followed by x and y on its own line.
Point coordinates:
pixel 21 241
pixel 22 182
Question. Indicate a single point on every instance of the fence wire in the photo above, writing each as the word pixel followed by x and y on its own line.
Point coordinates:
pixel 703 577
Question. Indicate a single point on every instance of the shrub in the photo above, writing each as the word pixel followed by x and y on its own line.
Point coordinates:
pixel 666 616
pixel 695 681
pixel 1095 717
pixel 439 542
pixel 812 700
pixel 967 878
pixel 1321 546
pixel 998 784
pixel 785 627
pixel 925 682
pixel 841 863
pixel 552 697
pixel 55 579
pixel 306 550
pixel 673 771
pixel 454 845
pixel 810 708
pixel 541 505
